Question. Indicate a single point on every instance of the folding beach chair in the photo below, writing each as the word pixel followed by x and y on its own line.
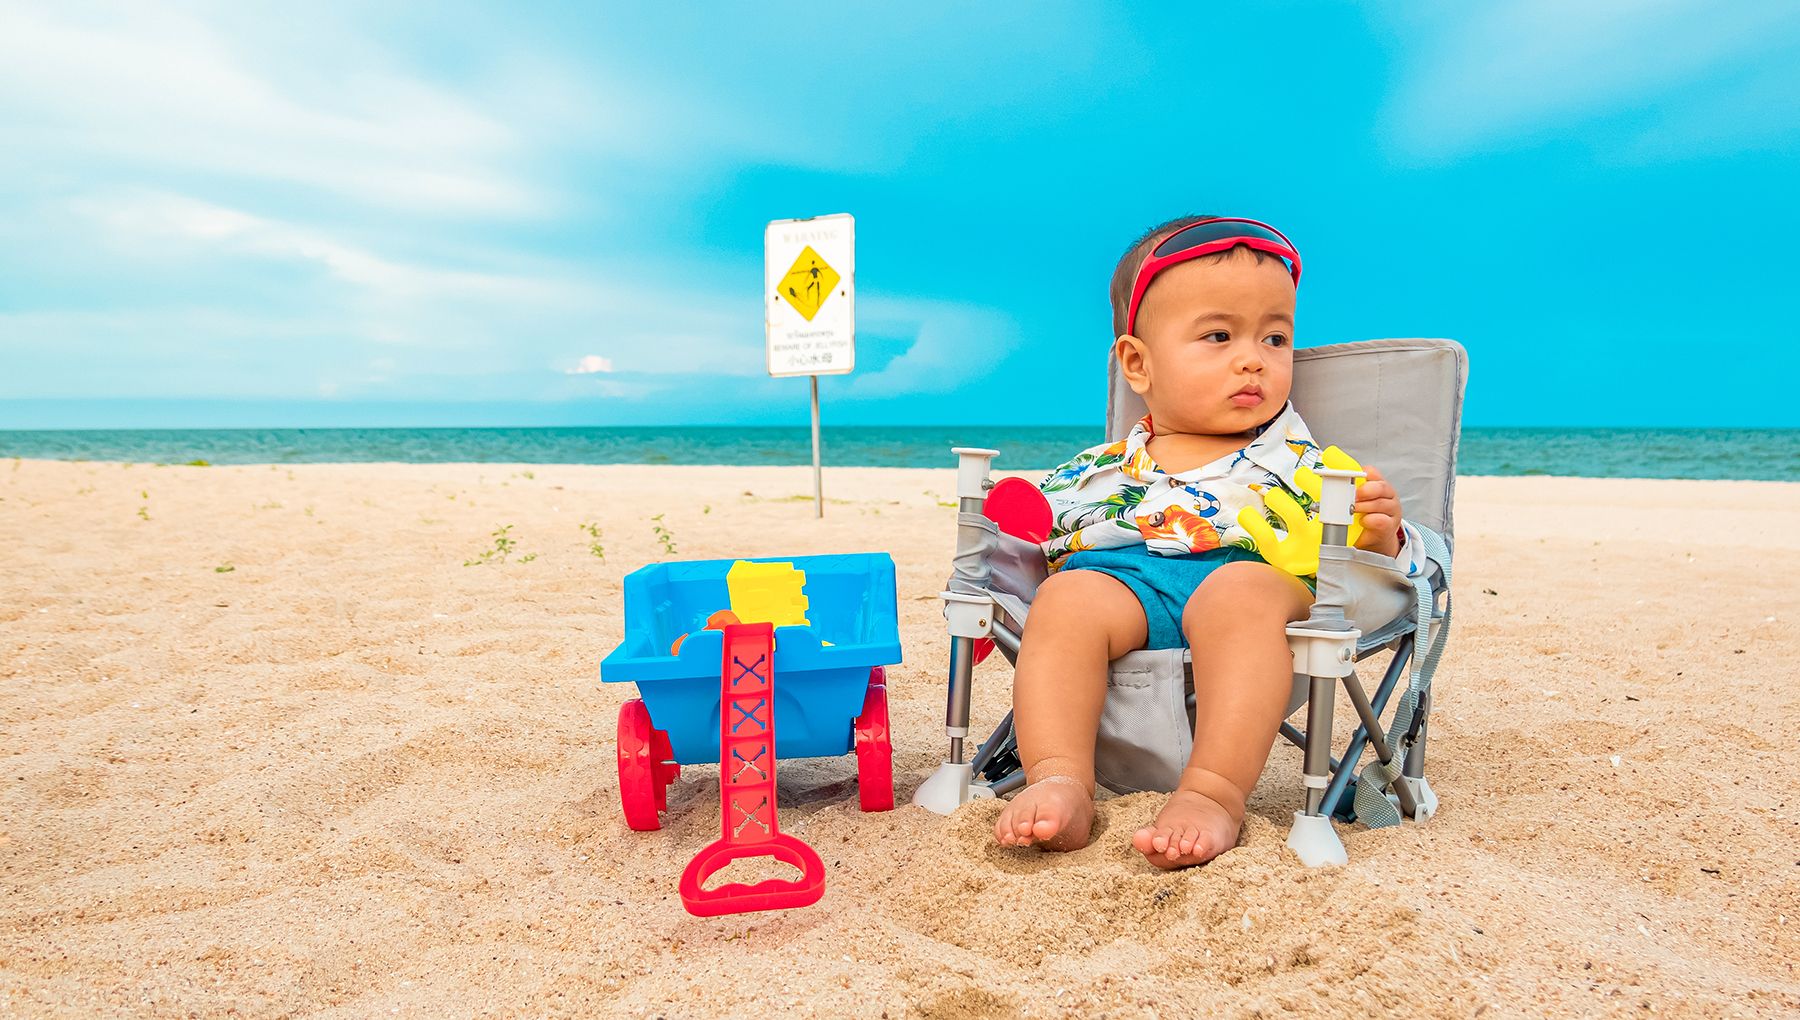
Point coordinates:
pixel 1396 404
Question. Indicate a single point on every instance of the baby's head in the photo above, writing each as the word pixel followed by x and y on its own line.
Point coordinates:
pixel 1207 339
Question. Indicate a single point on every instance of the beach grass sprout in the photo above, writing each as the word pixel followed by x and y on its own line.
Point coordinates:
pixel 503 547
pixel 595 548
pixel 663 534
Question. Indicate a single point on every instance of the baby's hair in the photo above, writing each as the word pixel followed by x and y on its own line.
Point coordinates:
pixel 1139 252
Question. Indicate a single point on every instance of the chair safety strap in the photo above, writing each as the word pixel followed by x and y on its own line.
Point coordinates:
pixel 1372 806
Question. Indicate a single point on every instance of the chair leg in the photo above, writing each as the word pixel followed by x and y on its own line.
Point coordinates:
pixel 951 786
pixel 1425 802
pixel 1313 837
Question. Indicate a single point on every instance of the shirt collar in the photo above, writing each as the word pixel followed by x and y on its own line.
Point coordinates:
pixel 1277 447
pixel 1282 445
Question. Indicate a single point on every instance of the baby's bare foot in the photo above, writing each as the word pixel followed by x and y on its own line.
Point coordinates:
pixel 1192 828
pixel 1055 812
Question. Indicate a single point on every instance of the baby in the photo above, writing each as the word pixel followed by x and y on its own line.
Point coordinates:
pixel 1148 551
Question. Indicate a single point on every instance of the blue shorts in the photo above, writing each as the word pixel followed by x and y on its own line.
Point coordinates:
pixel 1162 584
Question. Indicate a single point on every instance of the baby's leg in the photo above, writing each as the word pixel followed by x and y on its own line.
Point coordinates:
pixel 1236 625
pixel 1080 621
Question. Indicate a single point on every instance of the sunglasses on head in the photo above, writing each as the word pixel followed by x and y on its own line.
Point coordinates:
pixel 1221 233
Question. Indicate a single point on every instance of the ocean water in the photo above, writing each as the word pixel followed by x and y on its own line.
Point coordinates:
pixel 1767 454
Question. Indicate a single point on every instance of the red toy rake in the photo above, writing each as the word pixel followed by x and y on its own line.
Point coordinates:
pixel 747 790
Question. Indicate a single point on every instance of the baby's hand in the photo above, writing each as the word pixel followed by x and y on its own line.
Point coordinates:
pixel 1379 506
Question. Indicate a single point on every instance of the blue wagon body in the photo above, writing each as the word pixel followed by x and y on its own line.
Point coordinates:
pixel 819 689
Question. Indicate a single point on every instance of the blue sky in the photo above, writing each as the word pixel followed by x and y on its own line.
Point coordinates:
pixel 432 214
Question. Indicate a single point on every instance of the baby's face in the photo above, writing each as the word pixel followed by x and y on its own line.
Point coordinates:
pixel 1215 349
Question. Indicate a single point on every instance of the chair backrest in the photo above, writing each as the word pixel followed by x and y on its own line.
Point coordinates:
pixel 1396 404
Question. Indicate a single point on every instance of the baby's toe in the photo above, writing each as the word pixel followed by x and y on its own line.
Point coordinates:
pixel 1032 822
pixel 1140 840
pixel 1187 839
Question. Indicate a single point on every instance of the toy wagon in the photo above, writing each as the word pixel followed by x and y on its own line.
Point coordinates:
pixel 830 696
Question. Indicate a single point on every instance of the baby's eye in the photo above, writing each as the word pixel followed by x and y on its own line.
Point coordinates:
pixel 1217 336
pixel 1276 340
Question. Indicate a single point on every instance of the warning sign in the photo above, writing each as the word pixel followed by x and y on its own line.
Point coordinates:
pixel 809 271
pixel 809 281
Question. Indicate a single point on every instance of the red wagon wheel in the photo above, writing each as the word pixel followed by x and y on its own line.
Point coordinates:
pixel 646 767
pixel 874 750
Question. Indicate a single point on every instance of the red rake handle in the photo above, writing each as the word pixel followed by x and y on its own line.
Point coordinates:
pixel 770 894
pixel 750 824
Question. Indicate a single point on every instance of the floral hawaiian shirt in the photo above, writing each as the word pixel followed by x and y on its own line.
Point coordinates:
pixel 1115 495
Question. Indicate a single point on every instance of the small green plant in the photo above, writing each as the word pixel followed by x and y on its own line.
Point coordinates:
pixel 503 547
pixel 224 568
pixel 595 549
pixel 528 475
pixel 309 511
pixel 706 509
pixel 144 511
pixel 198 463
pixel 528 557
pixel 270 505
pixel 663 534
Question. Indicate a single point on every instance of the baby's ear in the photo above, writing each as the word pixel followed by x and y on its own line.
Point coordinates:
pixel 1134 361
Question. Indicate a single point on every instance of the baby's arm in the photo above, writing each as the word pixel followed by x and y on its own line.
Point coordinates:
pixel 1379 505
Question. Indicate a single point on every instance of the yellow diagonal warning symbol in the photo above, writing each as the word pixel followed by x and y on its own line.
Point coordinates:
pixel 809 281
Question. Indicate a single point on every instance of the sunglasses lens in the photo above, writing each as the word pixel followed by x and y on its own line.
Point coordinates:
pixel 1215 230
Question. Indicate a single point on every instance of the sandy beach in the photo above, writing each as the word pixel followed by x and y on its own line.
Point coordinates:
pixel 272 749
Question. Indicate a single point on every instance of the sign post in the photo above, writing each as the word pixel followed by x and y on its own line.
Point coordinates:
pixel 809 305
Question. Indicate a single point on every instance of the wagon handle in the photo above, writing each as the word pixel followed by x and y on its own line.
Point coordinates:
pixel 750 825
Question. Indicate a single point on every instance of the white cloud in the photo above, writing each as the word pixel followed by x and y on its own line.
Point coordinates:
pixel 951 344
pixel 159 87
pixel 589 365
pixel 147 219
pixel 1495 72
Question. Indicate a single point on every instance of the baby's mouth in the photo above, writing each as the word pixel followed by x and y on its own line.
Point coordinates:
pixel 1249 396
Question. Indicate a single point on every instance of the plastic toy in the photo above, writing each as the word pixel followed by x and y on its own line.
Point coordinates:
pixel 1298 552
pixel 829 687
pixel 1019 509
pixel 767 593
pixel 717 621
pixel 752 826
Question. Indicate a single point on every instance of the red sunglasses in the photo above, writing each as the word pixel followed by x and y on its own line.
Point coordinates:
pixel 1203 238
